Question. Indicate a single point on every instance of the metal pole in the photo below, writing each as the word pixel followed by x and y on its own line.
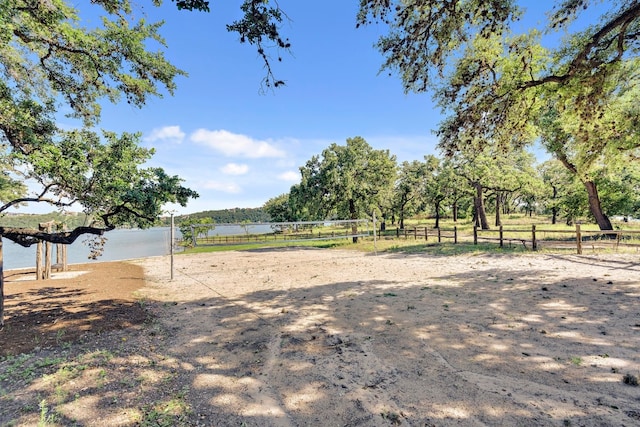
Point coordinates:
pixel 172 243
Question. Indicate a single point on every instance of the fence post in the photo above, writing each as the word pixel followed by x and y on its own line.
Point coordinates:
pixel 397 232
pixel 65 266
pixel 425 234
pixel 39 260
pixel 475 234
pixel 501 237
pixel 579 239
pixel 455 234
pixel 439 235
pixel 534 242
pixel 48 249
pixel 415 233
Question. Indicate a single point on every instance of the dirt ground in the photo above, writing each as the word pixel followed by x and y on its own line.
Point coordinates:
pixel 311 337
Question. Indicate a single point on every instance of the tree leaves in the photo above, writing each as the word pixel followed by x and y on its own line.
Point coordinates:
pixel 346 182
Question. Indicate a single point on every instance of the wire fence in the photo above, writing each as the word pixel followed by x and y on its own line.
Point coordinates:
pixel 277 232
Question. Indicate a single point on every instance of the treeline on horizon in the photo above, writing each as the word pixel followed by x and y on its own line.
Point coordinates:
pixel 70 220
pixel 225 216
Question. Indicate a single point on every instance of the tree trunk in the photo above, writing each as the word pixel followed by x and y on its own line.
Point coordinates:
pixel 498 220
pixel 354 225
pixel 595 207
pixel 437 215
pixel 455 211
pixel 481 214
pixel 554 209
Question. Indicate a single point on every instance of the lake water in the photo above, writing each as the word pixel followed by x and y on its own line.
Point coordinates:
pixel 121 245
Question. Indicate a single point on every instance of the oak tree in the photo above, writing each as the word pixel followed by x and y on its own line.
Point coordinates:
pixel 345 181
pixel 51 63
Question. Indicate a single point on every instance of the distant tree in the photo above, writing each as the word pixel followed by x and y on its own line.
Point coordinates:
pixel 345 182
pixel 554 176
pixel 491 171
pixel 193 228
pixel 279 209
pixel 531 197
pixel 409 188
pixel 449 187
pixel 443 185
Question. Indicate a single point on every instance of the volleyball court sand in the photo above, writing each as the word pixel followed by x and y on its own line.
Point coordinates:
pixel 294 337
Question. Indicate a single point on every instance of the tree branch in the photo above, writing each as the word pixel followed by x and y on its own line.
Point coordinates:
pixel 29 236
pixel 39 198
pixel 581 61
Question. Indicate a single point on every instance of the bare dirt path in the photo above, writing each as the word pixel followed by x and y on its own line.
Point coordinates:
pixel 292 337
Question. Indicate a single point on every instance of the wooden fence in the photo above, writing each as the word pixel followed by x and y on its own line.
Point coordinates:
pixel 239 239
pixel 532 238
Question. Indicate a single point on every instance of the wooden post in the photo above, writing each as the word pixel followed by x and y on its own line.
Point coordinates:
pixel 415 233
pixel 501 237
pixel 61 257
pixel 397 232
pixel 65 265
pixel 534 242
pixel 475 234
pixel 39 260
pixel 579 239
pixel 59 254
pixel 455 234
pixel 439 235
pixel 426 234
pixel 47 259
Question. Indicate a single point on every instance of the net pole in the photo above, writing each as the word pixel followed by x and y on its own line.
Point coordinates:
pixel 171 244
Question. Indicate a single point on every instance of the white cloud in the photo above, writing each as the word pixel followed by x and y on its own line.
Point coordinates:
pixel 231 144
pixel 225 187
pixel 234 169
pixel 289 176
pixel 167 133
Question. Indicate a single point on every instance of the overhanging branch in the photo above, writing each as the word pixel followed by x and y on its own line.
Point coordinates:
pixel 29 236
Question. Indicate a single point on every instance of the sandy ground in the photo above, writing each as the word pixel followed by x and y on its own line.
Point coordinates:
pixel 308 337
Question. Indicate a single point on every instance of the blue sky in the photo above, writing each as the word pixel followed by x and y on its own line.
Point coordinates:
pixel 238 146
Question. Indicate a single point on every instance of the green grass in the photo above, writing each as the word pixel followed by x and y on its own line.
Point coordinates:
pixel 324 244
pixel 517 229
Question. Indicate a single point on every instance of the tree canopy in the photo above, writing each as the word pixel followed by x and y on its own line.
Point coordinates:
pixel 51 64
pixel 496 81
pixel 345 182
